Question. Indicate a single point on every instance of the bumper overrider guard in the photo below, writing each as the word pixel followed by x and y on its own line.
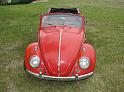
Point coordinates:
pixel 70 78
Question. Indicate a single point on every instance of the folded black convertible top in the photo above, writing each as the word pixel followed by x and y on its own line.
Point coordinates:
pixel 64 10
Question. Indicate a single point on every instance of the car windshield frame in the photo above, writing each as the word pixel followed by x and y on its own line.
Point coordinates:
pixel 62 20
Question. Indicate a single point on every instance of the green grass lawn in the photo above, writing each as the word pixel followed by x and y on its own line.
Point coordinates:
pixel 105 31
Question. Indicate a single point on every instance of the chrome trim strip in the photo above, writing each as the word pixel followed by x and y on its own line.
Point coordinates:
pixel 59 56
pixel 59 78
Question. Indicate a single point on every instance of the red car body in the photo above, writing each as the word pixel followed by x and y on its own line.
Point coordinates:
pixel 60 49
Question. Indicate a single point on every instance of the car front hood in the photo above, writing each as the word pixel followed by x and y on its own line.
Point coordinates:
pixel 60 48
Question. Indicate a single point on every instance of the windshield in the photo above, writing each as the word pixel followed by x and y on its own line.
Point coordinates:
pixel 61 20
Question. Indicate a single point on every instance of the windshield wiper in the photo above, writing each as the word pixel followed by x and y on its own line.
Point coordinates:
pixel 70 25
pixel 49 24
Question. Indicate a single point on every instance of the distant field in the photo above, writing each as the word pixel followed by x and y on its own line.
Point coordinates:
pixel 105 31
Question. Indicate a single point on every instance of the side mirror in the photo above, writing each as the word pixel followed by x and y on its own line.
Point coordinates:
pixel 85 21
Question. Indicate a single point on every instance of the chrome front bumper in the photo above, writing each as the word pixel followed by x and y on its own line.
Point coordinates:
pixel 71 78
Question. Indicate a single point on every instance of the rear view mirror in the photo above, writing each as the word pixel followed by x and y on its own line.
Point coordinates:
pixel 86 21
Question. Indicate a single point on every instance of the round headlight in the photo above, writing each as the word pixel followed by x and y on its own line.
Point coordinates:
pixel 34 61
pixel 84 63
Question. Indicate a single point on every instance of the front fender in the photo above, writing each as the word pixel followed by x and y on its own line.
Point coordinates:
pixel 87 51
pixel 33 50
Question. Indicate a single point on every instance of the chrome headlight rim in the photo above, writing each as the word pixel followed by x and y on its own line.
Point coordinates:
pixel 31 61
pixel 86 67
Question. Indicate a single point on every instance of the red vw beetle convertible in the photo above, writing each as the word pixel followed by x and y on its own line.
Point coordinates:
pixel 60 52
